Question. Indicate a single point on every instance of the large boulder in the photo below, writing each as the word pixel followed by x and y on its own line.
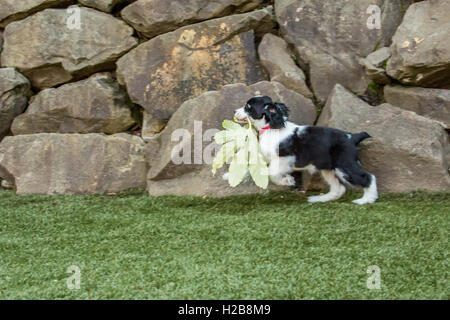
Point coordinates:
pixel 192 128
pixel 330 37
pixel 420 47
pixel 104 108
pixel 155 17
pixel 275 57
pixel 14 93
pixel 11 10
pixel 407 152
pixel 430 103
pixel 51 163
pixel 50 50
pixel 162 73
pixel 104 5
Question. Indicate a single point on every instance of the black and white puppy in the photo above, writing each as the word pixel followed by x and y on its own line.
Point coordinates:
pixel 288 147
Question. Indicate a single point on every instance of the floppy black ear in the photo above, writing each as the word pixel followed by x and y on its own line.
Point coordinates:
pixel 275 114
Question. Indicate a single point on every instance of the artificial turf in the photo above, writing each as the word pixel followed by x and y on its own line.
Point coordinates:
pixel 272 246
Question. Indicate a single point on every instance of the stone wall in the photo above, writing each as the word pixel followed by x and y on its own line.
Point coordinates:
pixel 96 94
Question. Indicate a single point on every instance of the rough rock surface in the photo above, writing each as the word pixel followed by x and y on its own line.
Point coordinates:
pixel 276 58
pixel 73 163
pixel 11 10
pixel 14 93
pixel 430 103
pixel 52 54
pixel 407 152
pixel 200 119
pixel 104 5
pixel 331 36
pixel 155 17
pixel 104 109
pixel 374 65
pixel 162 73
pixel 420 47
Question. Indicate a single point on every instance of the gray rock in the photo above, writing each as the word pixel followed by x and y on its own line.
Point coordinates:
pixel 167 70
pixel 151 127
pixel 407 152
pixel 420 47
pixel 276 58
pixel 330 37
pixel 1 42
pixel 49 52
pixel 104 5
pixel 14 93
pixel 11 10
pixel 95 105
pixel 379 57
pixel 374 64
pixel 73 163
pixel 155 17
pixel 199 119
pixel 431 103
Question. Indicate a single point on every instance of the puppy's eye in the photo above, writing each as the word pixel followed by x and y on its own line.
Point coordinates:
pixel 247 107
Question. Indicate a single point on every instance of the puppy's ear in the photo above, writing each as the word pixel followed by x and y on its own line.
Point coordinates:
pixel 275 114
pixel 283 108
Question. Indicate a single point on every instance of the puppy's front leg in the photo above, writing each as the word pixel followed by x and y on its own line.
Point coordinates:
pixel 279 173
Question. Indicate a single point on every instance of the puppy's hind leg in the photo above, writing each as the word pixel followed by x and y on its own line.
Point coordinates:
pixel 355 176
pixel 370 192
pixel 337 190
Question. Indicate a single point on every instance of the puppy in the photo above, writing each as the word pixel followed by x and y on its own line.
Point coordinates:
pixel 288 147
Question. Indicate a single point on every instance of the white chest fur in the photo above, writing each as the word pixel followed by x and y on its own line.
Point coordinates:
pixel 270 140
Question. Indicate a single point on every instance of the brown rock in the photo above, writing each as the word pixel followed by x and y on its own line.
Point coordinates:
pixel 155 17
pixel 49 49
pixel 420 47
pixel 276 58
pixel 104 108
pixel 162 73
pixel 431 103
pixel 407 152
pixel 199 119
pixel 73 163
pixel 330 37
pixel 14 93
pixel 11 10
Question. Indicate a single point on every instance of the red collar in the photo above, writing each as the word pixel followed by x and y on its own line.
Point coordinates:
pixel 263 130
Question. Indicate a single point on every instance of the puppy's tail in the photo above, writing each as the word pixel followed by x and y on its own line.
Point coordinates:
pixel 358 137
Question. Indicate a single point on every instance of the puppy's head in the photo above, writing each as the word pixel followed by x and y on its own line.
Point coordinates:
pixel 263 112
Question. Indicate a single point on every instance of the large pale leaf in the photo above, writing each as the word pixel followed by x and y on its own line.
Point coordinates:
pixel 230 125
pixel 260 173
pixel 240 143
pixel 238 167
pixel 226 152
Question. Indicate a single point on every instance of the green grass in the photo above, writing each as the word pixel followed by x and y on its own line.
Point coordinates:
pixel 273 246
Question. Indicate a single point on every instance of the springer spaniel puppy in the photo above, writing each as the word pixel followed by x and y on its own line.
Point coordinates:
pixel 288 147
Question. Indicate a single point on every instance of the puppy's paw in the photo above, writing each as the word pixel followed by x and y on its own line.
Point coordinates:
pixel 363 201
pixel 288 180
pixel 315 199
pixel 225 176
